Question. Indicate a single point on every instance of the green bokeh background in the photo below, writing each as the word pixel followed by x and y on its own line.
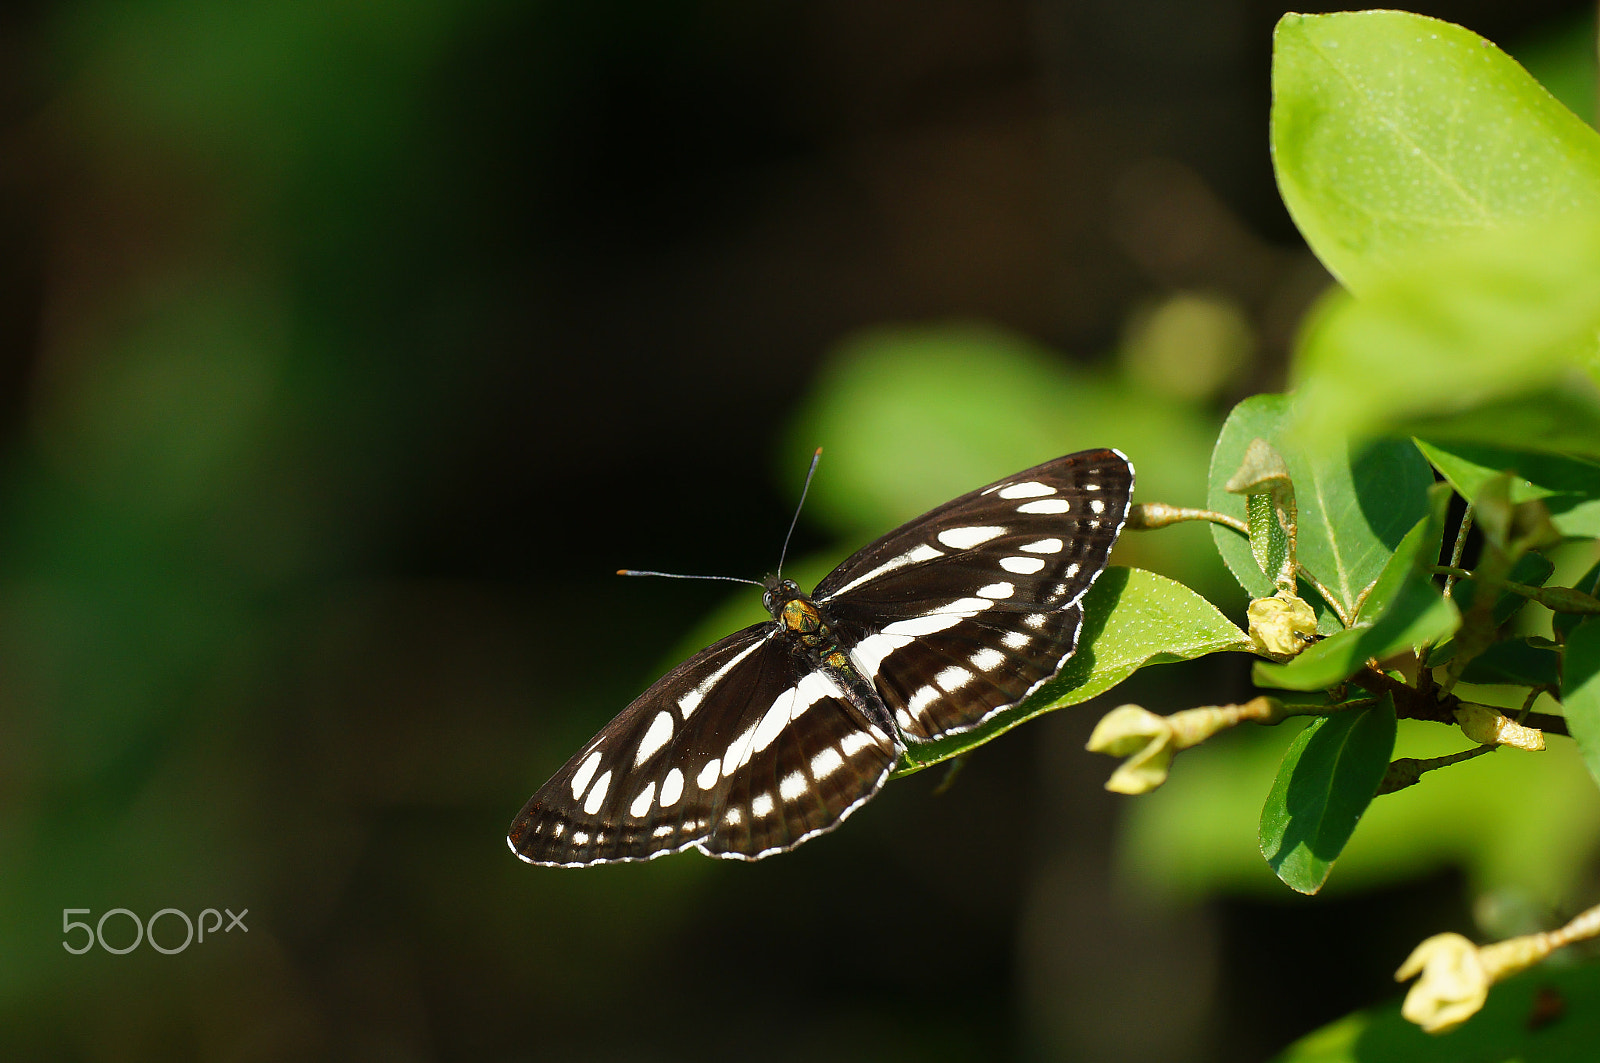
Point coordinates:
pixel 347 348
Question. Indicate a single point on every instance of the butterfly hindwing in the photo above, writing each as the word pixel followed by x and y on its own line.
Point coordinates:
pixel 710 757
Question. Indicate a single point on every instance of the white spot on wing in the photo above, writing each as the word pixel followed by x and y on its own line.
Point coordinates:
pixel 1097 505
pixel 580 781
pixel 1027 489
pixel 1022 566
pixel 660 731
pixel 966 606
pixel 641 804
pixel 792 786
pixel 762 805
pixel 738 751
pixel 1045 505
pixel 774 721
pixel 1036 620
pixel 1045 546
pixel 826 763
pixel 690 701
pixel 810 690
pixel 987 659
pixel 671 788
pixel 914 556
pixel 924 697
pixel 967 538
pixel 855 742
pixel 953 678
pixel 997 591
pixel 915 627
pixel 903 718
pixel 733 817
pixel 708 774
pixel 1015 640
pixel 869 653
pixel 597 795
pixel 663 830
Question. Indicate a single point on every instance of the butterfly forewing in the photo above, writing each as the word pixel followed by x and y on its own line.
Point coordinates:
pixel 739 751
pixel 766 739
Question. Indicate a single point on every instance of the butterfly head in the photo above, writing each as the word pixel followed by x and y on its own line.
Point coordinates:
pixel 778 592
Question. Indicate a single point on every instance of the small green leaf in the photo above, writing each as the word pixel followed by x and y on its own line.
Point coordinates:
pixel 1328 777
pixel 1392 132
pixel 1588 583
pixel 1402 610
pixel 1269 542
pixel 1531 569
pixel 1264 480
pixel 1131 618
pixel 1352 513
pixel 1580 690
pixel 1515 661
pixel 1569 487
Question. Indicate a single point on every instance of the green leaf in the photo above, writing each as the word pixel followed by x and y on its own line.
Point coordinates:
pixel 1328 777
pixel 1531 569
pixel 1402 610
pixel 1580 690
pixel 1589 583
pixel 1503 1032
pixel 1393 132
pixel 1131 618
pixel 1515 661
pixel 1562 420
pixel 1352 513
pixel 1503 314
pixel 1570 487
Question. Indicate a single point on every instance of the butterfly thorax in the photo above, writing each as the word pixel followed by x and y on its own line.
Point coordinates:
pixel 814 638
pixel 797 615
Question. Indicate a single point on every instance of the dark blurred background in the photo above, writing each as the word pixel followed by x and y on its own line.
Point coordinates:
pixel 346 348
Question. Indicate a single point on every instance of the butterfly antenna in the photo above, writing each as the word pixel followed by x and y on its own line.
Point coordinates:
pixel 680 575
pixel 809 474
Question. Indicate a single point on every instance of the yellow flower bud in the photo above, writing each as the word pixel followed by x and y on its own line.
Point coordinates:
pixel 1453 985
pixel 1281 626
pixel 1490 727
pixel 1141 736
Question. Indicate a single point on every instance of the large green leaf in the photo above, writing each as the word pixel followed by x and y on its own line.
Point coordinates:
pixel 1403 610
pixel 1564 419
pixel 1580 690
pixel 1132 618
pixel 1328 777
pixel 1499 315
pixel 1353 513
pixel 1393 132
pixel 1570 487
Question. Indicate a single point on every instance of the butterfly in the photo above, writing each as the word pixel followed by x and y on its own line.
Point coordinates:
pixel 776 733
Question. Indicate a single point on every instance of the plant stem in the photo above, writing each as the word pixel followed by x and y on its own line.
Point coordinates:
pixel 1458 549
pixel 1148 516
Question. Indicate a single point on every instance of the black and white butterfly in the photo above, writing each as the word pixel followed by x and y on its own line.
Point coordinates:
pixel 778 732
